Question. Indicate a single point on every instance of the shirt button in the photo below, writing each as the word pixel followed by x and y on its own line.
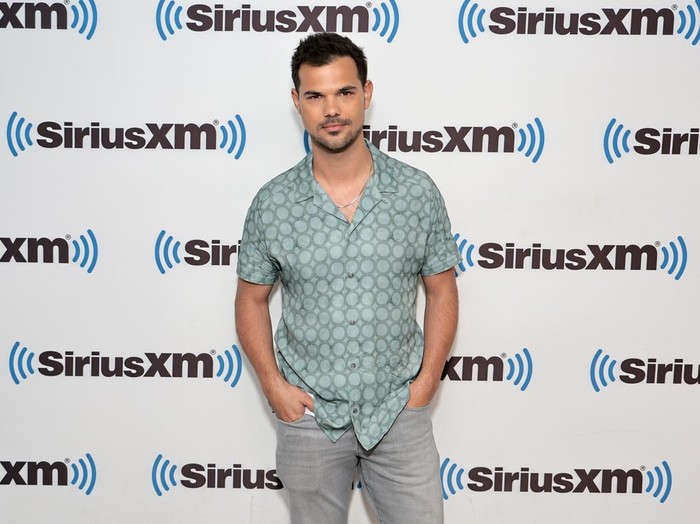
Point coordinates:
pixel 355 410
pixel 351 275
pixel 353 365
pixel 352 322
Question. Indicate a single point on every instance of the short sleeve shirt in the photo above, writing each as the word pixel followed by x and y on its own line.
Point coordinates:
pixel 348 333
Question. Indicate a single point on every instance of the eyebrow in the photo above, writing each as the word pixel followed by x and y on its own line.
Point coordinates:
pixel 340 90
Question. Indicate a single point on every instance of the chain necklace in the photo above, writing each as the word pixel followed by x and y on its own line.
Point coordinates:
pixel 343 206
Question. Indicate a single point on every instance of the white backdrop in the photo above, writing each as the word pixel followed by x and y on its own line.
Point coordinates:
pixel 570 401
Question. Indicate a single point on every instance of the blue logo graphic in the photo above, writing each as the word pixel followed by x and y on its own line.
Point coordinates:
pixel 307 142
pixel 18 134
pixel 532 142
pixel 602 370
pixel 167 251
pixel 85 475
pixel 465 252
pixel 450 474
pixel 470 20
pixel 168 14
pixel 616 136
pixel 85 18
pixel 660 481
pixel 675 259
pixel 234 134
pixel 86 252
pixel 690 22
pixel 520 369
pixel 20 363
pixel 163 475
pixel 389 21
pixel 230 366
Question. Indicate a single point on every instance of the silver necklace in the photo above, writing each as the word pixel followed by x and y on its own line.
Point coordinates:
pixel 343 206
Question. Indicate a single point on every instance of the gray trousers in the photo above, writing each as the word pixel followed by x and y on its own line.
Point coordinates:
pixel 399 477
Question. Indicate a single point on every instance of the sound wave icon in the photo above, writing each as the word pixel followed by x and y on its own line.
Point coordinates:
pixel 450 474
pixel 166 249
pixel 468 15
pixel 676 258
pixel 532 142
pixel 20 363
pixel 168 14
pixel 163 475
pixel 690 22
pixel 84 476
pixel 388 20
pixel 86 254
pixel 520 369
pixel 465 252
pixel 307 142
pixel 233 134
pixel 230 366
pixel 660 481
pixel 85 18
pixel 614 137
pixel 602 370
pixel 18 134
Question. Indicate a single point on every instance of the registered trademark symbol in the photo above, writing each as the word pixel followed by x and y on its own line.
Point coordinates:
pixel 213 352
pixel 368 4
pixel 215 122
pixel 515 125
pixel 642 468
pixel 657 243
pixel 674 6
pixel 504 355
pixel 67 2
pixel 67 461
pixel 68 237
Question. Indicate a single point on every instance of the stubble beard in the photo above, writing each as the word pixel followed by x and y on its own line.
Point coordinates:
pixel 340 144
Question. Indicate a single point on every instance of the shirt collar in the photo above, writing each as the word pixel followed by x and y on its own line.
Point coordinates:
pixel 383 179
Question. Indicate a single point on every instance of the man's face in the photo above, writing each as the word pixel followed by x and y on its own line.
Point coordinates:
pixel 332 102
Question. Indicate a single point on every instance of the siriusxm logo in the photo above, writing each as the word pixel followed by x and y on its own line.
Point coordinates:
pixel 226 366
pixel 464 139
pixel 603 372
pixel 383 20
pixel 199 252
pixel 193 476
pixel 482 369
pixel 492 255
pixel 82 475
pixel 658 480
pixel 44 15
pixel 51 250
pixel 649 141
pixel 229 136
pixel 474 20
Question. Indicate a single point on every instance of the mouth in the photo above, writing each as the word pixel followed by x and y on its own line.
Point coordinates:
pixel 335 125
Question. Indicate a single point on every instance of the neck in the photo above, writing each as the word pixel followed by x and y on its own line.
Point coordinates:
pixel 342 167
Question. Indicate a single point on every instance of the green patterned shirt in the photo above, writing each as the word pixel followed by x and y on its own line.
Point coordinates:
pixel 348 333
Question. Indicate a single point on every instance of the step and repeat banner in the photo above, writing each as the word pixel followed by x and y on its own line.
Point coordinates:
pixel 564 137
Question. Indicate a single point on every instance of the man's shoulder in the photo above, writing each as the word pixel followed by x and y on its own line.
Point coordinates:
pixel 286 182
pixel 403 173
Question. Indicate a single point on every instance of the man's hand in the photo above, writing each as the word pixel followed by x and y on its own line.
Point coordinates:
pixel 287 401
pixel 420 394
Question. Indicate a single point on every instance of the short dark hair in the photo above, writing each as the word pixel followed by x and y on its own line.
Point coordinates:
pixel 322 48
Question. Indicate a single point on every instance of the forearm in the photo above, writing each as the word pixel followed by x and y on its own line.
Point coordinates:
pixel 254 328
pixel 440 326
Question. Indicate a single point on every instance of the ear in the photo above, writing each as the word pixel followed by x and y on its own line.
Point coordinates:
pixel 368 90
pixel 295 99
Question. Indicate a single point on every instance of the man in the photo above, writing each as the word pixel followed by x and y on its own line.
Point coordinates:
pixel 348 231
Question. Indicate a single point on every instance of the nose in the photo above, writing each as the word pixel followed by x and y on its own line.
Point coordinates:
pixel 330 106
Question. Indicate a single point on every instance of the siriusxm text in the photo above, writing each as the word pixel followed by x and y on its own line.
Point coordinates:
pixel 27 473
pixel 610 21
pixel 23 249
pixel 319 18
pixel 449 139
pixel 638 371
pixel 30 15
pixel 236 477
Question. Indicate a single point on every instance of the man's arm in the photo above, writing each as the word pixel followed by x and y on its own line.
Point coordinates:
pixel 254 329
pixel 440 326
